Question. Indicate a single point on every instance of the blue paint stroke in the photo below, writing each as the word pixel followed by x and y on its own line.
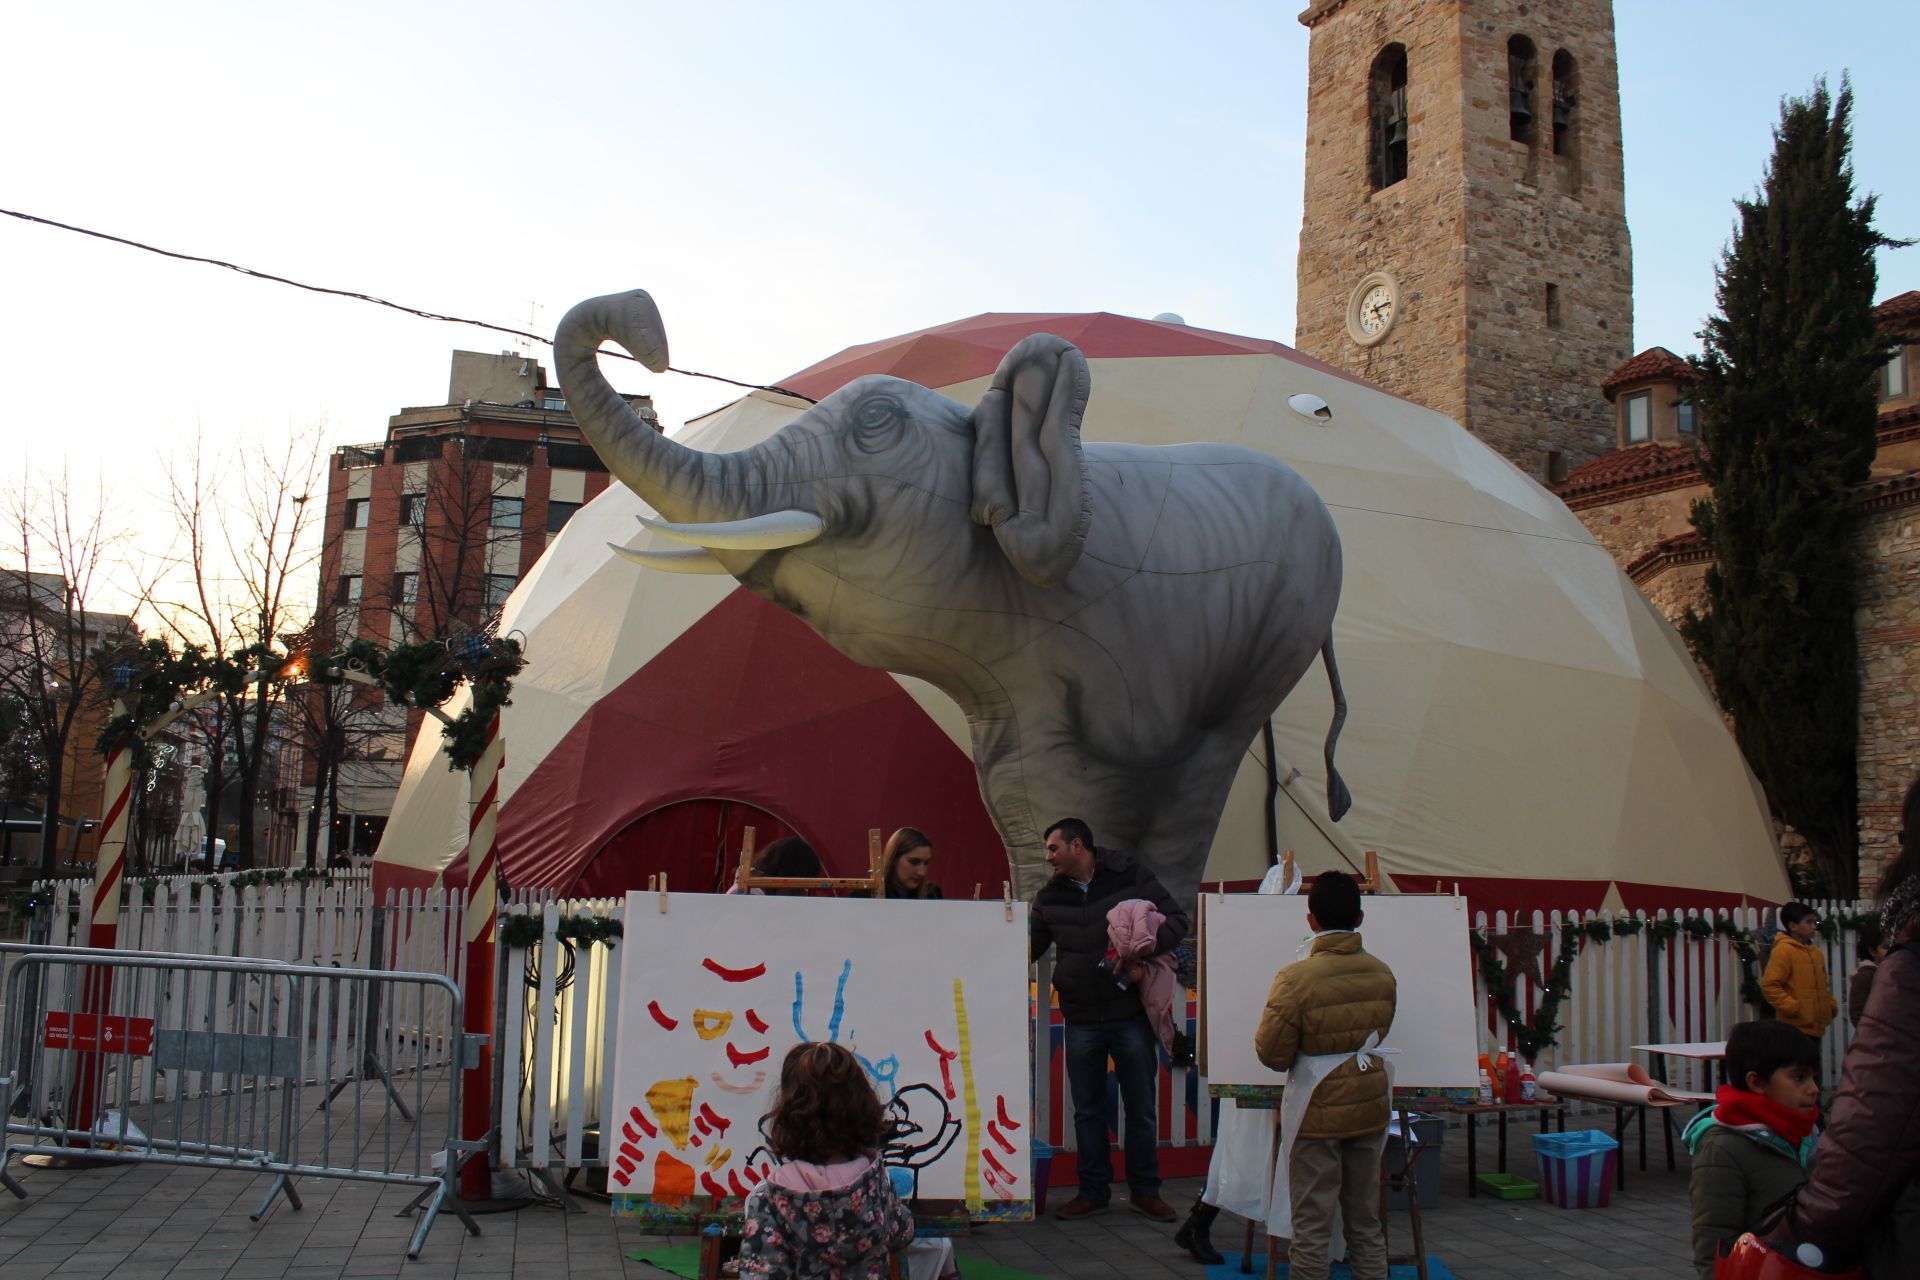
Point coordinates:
pixel 839 1003
pixel 799 999
pixel 884 1073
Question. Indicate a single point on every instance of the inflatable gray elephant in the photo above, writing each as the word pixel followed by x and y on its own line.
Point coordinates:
pixel 1116 621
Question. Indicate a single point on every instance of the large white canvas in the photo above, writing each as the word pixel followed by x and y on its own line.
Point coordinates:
pixel 1250 937
pixel 931 995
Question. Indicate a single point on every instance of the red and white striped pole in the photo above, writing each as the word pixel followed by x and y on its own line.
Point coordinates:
pixel 483 909
pixel 103 925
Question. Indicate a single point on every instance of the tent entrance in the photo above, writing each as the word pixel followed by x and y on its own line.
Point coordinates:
pixel 696 842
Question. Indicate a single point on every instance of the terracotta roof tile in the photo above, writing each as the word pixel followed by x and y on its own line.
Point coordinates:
pixel 1899 311
pixel 1655 363
pixel 1634 465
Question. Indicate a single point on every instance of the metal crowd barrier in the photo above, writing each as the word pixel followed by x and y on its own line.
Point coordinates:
pixel 236 1064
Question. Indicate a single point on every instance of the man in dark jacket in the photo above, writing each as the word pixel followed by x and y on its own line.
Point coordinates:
pixel 1103 1012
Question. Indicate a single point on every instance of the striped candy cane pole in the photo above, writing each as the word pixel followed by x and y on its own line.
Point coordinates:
pixel 483 789
pixel 103 925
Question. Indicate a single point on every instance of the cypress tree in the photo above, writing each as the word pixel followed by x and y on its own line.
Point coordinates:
pixel 1788 409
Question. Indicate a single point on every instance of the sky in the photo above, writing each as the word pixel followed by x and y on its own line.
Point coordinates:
pixel 786 180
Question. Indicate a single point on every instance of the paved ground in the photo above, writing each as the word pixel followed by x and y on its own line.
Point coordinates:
pixel 157 1223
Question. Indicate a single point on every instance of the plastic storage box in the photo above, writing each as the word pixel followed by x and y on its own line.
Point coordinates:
pixel 1429 1132
pixel 1507 1186
pixel 1577 1168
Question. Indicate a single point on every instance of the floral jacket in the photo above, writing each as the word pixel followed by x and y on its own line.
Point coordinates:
pixel 834 1235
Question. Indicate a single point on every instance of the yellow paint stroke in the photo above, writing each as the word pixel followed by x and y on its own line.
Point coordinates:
pixel 709 1025
pixel 970 1104
pixel 718 1157
pixel 672 1103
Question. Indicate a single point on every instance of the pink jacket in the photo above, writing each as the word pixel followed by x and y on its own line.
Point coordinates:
pixel 1132 927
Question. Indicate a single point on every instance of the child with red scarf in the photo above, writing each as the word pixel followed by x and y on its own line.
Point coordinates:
pixel 1753 1147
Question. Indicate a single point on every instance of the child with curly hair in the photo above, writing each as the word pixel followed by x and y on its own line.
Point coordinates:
pixel 828 1208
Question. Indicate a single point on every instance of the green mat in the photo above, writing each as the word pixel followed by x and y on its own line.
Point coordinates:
pixel 684 1260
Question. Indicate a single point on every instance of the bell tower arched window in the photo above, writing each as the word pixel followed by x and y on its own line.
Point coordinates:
pixel 1387 114
pixel 1565 99
pixel 1521 71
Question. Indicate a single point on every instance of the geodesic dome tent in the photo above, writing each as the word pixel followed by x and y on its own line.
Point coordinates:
pixel 1523 723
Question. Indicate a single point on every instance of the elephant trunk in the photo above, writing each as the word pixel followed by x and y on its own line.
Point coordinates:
pixel 682 484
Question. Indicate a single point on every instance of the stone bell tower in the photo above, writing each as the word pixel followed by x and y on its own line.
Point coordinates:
pixel 1465 239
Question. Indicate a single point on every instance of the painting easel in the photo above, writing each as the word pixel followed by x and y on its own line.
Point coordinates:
pixel 874 882
pixel 714 1237
pixel 1405 1178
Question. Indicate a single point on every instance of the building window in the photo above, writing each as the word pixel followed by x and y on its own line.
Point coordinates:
pixel 552 400
pixel 356 513
pixel 558 513
pixel 1520 77
pixel 499 587
pixel 1564 101
pixel 1553 306
pixel 348 593
pixel 506 513
pixel 1686 416
pixel 413 509
pixel 1893 376
pixel 1639 416
pixel 406 590
pixel 1387 111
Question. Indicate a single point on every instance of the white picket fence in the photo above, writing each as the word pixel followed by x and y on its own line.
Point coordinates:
pixel 297 922
pixel 558 1000
pixel 1634 990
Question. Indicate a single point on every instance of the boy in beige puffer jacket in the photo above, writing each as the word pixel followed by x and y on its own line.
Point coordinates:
pixel 1330 1003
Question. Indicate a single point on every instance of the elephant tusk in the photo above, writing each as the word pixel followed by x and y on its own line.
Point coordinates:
pixel 756 533
pixel 692 561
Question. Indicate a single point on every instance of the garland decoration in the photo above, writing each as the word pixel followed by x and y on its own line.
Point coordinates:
pixel 523 929
pixel 427 674
pixel 1534 1035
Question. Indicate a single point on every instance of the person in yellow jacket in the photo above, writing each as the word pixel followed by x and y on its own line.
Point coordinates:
pixel 1335 1004
pixel 1796 981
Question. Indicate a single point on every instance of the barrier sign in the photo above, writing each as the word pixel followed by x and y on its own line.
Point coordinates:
pixel 99 1033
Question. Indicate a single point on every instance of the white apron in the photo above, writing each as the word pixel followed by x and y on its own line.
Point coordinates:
pixel 1243 1136
pixel 1302 1079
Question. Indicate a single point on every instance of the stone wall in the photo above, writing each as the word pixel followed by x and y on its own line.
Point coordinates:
pixel 1632 527
pixel 1481 224
pixel 1889 631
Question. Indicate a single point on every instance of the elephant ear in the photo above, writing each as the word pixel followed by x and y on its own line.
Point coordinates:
pixel 1029 479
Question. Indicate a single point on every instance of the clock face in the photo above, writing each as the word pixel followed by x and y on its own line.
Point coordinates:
pixel 1376 309
pixel 1373 308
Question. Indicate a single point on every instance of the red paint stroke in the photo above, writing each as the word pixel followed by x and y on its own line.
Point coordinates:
pixel 632 1152
pixel 700 1123
pixel 740 1059
pixel 995 1164
pixel 653 1007
pixel 624 1179
pixel 946 1057
pixel 630 1133
pixel 626 1167
pixel 736 975
pixel 1000 1105
pixel 993 1131
pixel 712 1117
pixel 993 1180
pixel 733 1182
pixel 713 1187
pixel 646 1125
pixel 753 1020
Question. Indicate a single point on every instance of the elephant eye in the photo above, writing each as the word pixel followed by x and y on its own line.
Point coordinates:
pixel 877 417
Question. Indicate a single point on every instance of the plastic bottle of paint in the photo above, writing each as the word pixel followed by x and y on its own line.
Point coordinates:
pixel 1529 1090
pixel 1510 1084
pixel 1486 1087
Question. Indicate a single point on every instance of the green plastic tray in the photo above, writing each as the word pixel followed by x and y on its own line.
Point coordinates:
pixel 1505 1186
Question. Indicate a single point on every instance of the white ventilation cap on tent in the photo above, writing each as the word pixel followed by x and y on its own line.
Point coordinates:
pixel 1170 317
pixel 1311 407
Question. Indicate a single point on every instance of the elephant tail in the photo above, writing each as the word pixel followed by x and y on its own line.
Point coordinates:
pixel 1339 799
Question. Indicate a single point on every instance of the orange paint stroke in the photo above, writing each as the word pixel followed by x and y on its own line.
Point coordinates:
pixel 672 1180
